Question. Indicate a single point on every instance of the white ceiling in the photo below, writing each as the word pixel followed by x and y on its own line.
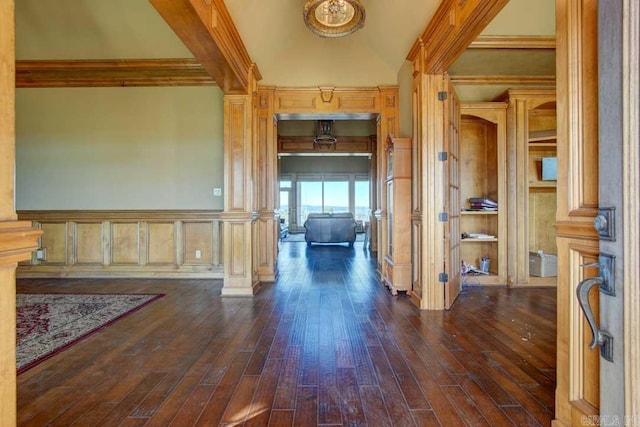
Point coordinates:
pixel 274 34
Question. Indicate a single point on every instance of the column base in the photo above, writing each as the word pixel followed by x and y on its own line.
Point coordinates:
pixel 244 291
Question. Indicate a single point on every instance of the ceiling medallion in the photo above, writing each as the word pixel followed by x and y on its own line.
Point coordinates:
pixel 333 18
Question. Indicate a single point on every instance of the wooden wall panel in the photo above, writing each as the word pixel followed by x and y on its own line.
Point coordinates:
pixel 54 240
pixel 328 99
pixel 542 208
pixel 235 162
pixel 238 235
pixel 88 246
pixel 161 243
pixel 125 243
pixel 349 102
pixel 122 243
pixel 197 237
pixel 297 101
pixel 345 144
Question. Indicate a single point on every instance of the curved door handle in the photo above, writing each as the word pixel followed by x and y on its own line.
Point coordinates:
pixel 583 298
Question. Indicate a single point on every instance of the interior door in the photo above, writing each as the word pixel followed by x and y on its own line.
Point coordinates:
pixel 607 331
pixel 452 196
pixel 577 365
pixel 594 302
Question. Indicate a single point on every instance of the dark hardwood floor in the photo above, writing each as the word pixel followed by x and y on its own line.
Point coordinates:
pixel 324 345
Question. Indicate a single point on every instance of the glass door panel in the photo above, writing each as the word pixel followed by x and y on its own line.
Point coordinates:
pixel 309 199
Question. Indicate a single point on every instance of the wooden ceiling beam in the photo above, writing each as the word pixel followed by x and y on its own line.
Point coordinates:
pixel 454 26
pixel 112 73
pixel 207 30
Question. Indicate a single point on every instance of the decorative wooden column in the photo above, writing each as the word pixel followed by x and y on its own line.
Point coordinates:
pixel 265 132
pixel 17 238
pixel 240 274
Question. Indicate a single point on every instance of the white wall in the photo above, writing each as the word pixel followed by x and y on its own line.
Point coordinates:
pixel 119 148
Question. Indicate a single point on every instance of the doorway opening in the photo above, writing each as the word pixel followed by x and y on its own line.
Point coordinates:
pixel 325 179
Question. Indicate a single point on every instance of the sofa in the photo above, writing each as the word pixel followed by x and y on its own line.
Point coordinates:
pixel 330 228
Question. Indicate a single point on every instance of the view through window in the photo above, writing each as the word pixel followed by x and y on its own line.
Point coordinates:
pixel 333 197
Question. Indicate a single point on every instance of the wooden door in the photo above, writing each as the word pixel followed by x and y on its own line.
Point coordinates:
pixel 578 367
pixel 451 196
pixel 618 174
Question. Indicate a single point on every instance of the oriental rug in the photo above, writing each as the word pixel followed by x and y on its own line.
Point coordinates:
pixel 49 323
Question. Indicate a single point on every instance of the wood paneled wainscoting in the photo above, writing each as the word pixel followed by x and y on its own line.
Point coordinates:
pixel 131 243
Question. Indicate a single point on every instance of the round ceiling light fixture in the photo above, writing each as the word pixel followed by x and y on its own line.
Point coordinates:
pixel 333 18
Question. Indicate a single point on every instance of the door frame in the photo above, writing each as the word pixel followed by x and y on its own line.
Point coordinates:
pixel 631 208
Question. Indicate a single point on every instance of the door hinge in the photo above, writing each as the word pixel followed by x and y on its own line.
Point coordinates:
pixel 443 217
pixel 442 96
pixel 443 155
pixel 443 277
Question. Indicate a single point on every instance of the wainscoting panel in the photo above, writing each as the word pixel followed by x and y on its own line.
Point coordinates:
pixel 161 243
pixel 89 243
pixel 54 238
pixel 125 243
pixel 198 243
pixel 180 244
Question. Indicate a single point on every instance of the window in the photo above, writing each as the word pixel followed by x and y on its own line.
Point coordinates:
pixel 285 201
pixel 362 206
pixel 332 194
pixel 336 196
pixel 309 199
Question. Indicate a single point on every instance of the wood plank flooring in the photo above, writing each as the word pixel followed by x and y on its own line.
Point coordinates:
pixel 326 345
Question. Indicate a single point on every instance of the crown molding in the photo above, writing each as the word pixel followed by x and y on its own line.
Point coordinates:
pixel 504 80
pixel 454 26
pixel 513 42
pixel 112 73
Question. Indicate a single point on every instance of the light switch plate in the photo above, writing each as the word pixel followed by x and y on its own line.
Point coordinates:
pixel 217 191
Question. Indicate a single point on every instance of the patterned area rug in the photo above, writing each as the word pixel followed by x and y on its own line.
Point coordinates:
pixel 49 323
